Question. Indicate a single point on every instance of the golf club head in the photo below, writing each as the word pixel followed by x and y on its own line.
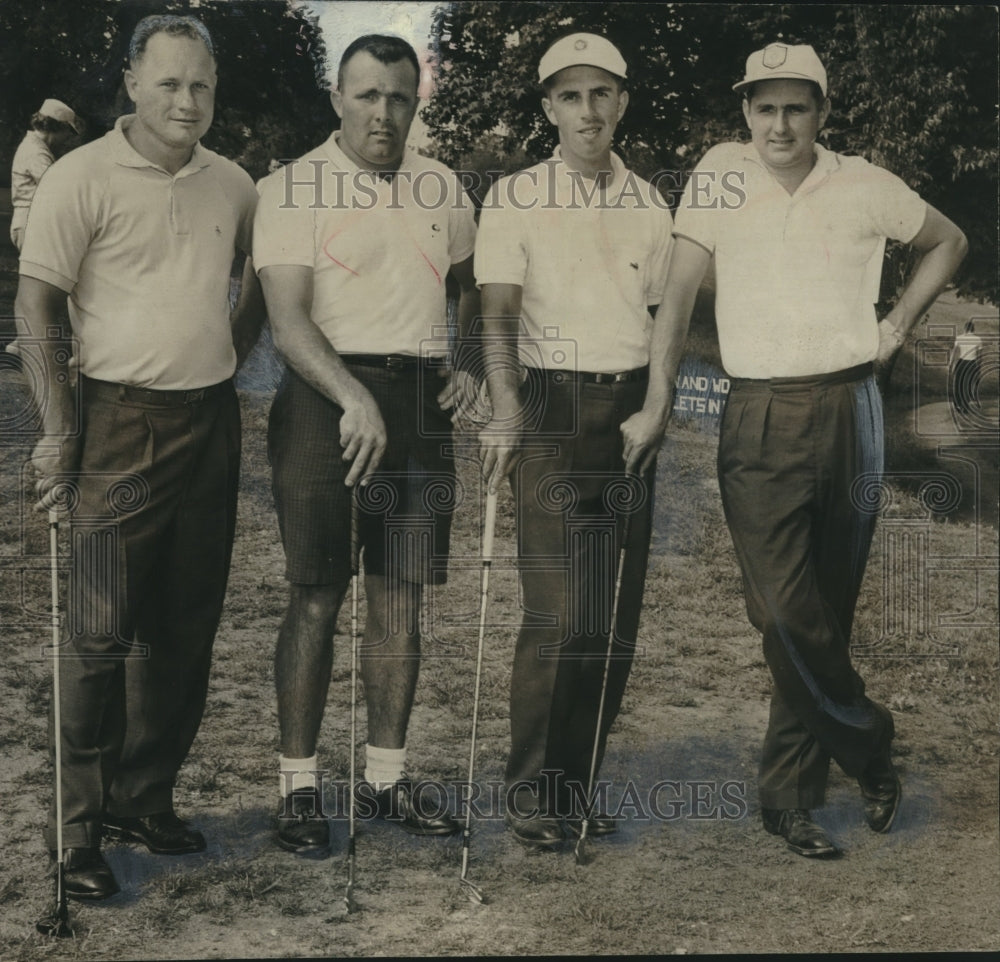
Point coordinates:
pixel 349 903
pixel 472 892
pixel 55 926
pixel 581 851
pixel 343 908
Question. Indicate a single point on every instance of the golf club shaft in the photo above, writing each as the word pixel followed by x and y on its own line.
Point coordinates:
pixel 489 528
pixel 56 702
pixel 604 682
pixel 355 569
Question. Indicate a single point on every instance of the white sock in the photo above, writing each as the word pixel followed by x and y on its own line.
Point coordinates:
pixel 384 766
pixel 296 773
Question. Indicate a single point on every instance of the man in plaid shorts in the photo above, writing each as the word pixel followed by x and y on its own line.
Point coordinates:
pixel 356 240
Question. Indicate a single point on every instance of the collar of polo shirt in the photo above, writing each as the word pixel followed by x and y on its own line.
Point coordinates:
pixel 826 163
pixel 566 178
pixel 126 155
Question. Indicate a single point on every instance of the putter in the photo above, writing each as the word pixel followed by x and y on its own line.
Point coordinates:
pixel 349 902
pixel 580 852
pixel 472 891
pixel 56 924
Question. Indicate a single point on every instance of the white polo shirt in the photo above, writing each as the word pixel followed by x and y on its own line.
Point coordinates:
pixel 797 275
pixel 589 265
pixel 145 257
pixel 380 249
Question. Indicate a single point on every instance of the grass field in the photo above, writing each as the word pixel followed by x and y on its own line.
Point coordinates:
pixel 703 877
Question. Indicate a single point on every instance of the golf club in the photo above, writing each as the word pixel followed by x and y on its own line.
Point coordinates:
pixel 580 852
pixel 472 891
pixel 56 924
pixel 355 568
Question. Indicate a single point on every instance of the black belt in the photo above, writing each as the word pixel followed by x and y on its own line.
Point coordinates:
pixel 147 395
pixel 592 377
pixel 394 362
pixel 857 373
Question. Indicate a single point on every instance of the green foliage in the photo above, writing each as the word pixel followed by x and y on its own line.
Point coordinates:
pixel 270 101
pixel 913 89
pixel 917 94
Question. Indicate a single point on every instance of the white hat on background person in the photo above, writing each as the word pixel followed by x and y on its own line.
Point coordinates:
pixel 57 110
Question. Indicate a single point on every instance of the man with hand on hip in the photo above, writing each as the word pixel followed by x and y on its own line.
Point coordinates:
pixel 797 232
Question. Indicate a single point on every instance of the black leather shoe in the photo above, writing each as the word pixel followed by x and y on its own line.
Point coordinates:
pixel 597 825
pixel 302 825
pixel 538 832
pixel 398 806
pixel 796 827
pixel 163 833
pixel 881 792
pixel 86 875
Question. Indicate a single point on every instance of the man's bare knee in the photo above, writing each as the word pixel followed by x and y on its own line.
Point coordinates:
pixel 314 607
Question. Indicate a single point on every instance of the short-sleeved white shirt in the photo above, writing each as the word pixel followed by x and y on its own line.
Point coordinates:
pixel 797 275
pixel 380 249
pixel 31 159
pixel 588 265
pixel 145 257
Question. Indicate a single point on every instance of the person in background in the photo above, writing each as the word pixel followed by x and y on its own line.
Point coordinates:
pixel 965 367
pixel 54 128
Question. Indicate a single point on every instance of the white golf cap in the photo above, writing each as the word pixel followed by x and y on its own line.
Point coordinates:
pixel 782 61
pixel 581 49
pixel 57 110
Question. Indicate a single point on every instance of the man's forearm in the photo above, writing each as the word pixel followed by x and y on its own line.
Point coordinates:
pixel 670 328
pixel 688 262
pixel 249 314
pixel 467 354
pixel 40 307
pixel 931 276
pixel 943 246
pixel 502 366
pixel 308 352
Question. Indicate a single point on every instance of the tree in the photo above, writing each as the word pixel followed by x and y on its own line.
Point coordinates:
pixel 913 88
pixel 270 102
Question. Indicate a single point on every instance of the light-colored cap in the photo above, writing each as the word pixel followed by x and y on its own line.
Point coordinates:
pixel 581 49
pixel 57 110
pixel 781 61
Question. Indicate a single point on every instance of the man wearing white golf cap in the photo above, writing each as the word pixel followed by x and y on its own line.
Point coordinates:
pixel 797 270
pixel 570 255
pixel 53 128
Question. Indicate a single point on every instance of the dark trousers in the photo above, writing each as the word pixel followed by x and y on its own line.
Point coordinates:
pixel 794 456
pixel 152 536
pixel 572 499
